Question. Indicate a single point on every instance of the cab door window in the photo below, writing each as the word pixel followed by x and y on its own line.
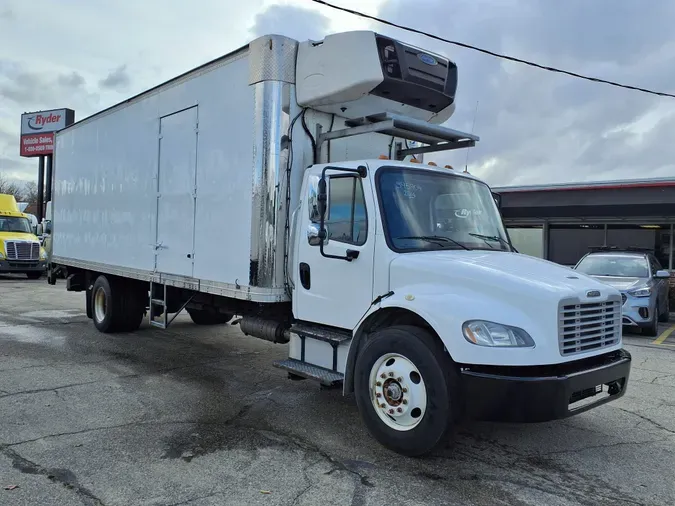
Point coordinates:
pixel 346 219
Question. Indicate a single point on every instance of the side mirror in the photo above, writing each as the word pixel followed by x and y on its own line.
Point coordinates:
pixel 48 228
pixel 38 230
pixel 322 198
pixel 498 199
pixel 314 235
pixel 663 274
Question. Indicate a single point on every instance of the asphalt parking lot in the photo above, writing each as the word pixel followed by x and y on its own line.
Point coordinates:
pixel 197 415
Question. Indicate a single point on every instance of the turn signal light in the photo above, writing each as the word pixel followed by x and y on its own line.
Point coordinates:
pixel 383 157
pixel 414 160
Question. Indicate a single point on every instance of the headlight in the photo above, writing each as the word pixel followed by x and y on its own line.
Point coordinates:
pixel 492 334
pixel 641 292
pixel 43 254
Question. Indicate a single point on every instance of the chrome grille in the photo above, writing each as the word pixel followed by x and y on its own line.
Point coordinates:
pixel 22 250
pixel 588 326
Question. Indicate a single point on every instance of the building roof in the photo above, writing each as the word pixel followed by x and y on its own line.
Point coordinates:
pixel 636 198
pixel 591 185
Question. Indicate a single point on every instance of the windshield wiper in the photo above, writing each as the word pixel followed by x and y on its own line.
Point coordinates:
pixel 436 238
pixel 494 238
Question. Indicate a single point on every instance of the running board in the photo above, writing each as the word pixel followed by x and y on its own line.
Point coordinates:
pixel 324 376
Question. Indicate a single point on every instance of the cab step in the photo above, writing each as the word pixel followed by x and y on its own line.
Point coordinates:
pixel 324 376
pixel 328 335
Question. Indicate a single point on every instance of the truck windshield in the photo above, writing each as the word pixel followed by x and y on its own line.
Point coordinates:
pixel 14 224
pixel 621 266
pixel 425 210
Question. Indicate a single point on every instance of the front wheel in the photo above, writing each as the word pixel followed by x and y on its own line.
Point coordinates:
pixel 665 317
pixel 406 390
pixel 652 329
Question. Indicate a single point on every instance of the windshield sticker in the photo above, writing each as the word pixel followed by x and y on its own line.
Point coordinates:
pixel 408 189
pixel 465 213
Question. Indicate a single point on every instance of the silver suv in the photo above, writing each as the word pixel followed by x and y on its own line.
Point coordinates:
pixel 643 284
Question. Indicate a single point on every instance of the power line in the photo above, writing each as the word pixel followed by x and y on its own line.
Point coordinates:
pixel 492 53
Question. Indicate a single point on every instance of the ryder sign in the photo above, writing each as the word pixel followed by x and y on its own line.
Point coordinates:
pixel 38 128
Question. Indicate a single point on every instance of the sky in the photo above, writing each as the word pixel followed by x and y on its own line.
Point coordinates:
pixel 535 127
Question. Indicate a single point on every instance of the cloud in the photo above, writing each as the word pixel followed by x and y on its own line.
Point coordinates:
pixel 116 79
pixel 537 126
pixel 7 14
pixel 291 21
pixel 39 90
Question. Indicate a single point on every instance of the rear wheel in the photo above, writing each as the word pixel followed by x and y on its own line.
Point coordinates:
pixel 406 390
pixel 208 317
pixel 105 306
pixel 115 306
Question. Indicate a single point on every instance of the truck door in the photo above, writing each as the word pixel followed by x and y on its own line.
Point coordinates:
pixel 334 291
pixel 176 193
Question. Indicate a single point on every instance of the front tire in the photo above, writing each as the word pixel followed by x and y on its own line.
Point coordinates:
pixel 665 317
pixel 652 329
pixel 406 390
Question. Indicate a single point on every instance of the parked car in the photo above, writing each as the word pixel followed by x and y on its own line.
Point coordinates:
pixel 643 284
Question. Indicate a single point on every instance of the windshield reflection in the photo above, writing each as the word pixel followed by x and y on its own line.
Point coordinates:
pixel 424 210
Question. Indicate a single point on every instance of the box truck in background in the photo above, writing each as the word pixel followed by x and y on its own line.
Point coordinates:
pixel 278 184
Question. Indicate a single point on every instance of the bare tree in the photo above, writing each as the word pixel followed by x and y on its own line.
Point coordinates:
pixel 7 186
pixel 30 192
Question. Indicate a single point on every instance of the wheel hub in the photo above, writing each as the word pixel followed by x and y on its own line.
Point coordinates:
pixel 393 392
pixel 398 392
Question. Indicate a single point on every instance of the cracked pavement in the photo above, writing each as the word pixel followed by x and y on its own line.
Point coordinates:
pixel 198 416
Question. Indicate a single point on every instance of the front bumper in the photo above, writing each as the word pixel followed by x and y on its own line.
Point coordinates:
pixel 21 266
pixel 543 393
pixel 637 311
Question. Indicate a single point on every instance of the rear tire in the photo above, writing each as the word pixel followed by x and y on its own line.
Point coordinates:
pixel 419 390
pixel 115 306
pixel 208 317
pixel 105 306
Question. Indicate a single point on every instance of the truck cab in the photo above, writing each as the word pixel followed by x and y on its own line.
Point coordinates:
pixel 413 262
pixel 20 249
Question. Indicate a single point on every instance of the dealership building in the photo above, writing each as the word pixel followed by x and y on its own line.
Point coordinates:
pixel 562 222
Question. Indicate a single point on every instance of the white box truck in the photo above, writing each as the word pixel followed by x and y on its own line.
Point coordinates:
pixel 278 184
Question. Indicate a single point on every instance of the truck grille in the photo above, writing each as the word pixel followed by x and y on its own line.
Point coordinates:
pixel 584 327
pixel 22 250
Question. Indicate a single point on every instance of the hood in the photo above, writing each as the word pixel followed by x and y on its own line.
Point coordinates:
pixel 500 274
pixel 621 283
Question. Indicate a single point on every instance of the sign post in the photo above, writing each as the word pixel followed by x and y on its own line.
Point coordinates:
pixel 37 140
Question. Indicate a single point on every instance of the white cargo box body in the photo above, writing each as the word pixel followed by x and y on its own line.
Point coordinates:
pixel 185 184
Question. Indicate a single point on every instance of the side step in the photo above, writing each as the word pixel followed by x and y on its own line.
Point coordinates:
pixel 326 377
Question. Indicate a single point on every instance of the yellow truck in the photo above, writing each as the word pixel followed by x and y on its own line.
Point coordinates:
pixel 20 249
